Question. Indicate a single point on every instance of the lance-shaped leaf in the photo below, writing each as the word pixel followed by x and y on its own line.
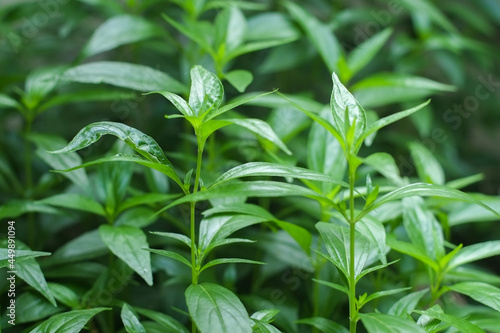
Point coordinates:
pixel 262 129
pixel 122 74
pixel 130 320
pixel 474 252
pixel 463 325
pixel 68 322
pixel 347 112
pixel 482 292
pixel 216 309
pixel 29 270
pixel 206 91
pixel 127 243
pixel 140 142
pixel 422 189
pixel 21 255
pixel 119 30
pixel 170 324
pixel 179 102
pixel 166 169
pixel 373 127
pixel 378 322
pixel 273 169
pixel 337 242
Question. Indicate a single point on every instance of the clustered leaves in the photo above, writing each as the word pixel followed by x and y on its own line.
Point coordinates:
pixel 293 220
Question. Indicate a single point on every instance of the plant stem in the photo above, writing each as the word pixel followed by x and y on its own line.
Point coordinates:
pixel 194 266
pixel 352 278
pixel 28 170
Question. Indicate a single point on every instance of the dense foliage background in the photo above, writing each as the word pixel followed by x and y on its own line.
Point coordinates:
pixel 66 64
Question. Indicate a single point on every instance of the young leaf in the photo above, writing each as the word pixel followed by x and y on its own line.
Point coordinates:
pixel 130 320
pixel 122 74
pixel 383 293
pixel 378 322
pixel 181 238
pixel 68 322
pixel 179 102
pixel 273 169
pixel 266 316
pixel 119 30
pixel 127 243
pixel 482 292
pixel 64 294
pixel 461 324
pixel 413 251
pixel 230 28
pixel 346 110
pixel 386 166
pixel 171 255
pixel 206 91
pixel 216 309
pixel 332 285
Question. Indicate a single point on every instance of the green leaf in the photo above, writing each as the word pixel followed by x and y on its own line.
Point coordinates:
pixel 119 30
pixel 64 295
pixel 127 243
pixel 265 316
pixel 181 238
pixel 422 189
pixel 482 292
pixel 216 309
pixel 46 142
pixel 405 305
pixel 230 28
pixel 240 79
pixel 167 322
pixel 260 327
pixel 240 101
pixel 428 168
pixel 365 52
pixel 374 231
pixel 473 253
pixel 373 127
pixel 323 325
pixel 122 74
pixel 337 242
pixel 15 208
pixel 346 110
pixel 413 251
pixel 386 166
pixel 218 227
pixel 30 272
pixel 206 92
pixel 140 142
pixel 145 199
pixel 422 228
pixel 461 324
pixel 171 255
pixel 319 34
pixel 34 308
pixel 130 320
pixel 75 201
pixel 94 95
pixel 378 322
pixel 86 246
pixel 262 129
pixel 252 189
pixel 333 285
pixel 21 255
pixel 166 169
pixel 8 102
pixel 431 11
pixel 230 261
pixel 382 293
pixel 68 322
pixel 40 83
pixel 271 26
pixel 179 102
pixel 274 169
pixel 387 88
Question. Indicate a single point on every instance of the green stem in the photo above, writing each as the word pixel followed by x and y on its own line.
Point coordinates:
pixel 194 266
pixel 28 170
pixel 352 278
